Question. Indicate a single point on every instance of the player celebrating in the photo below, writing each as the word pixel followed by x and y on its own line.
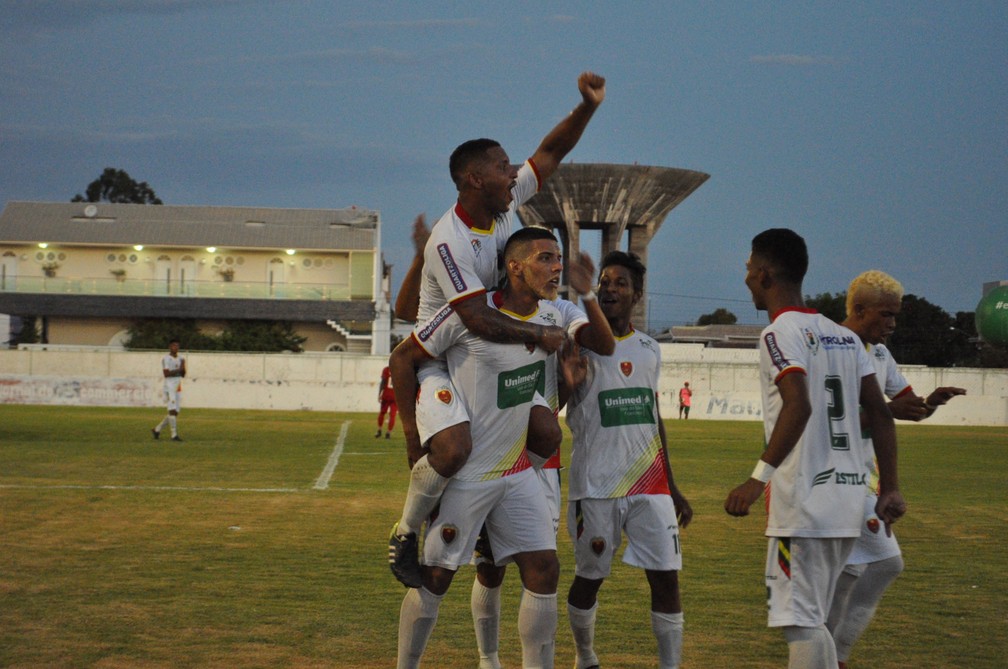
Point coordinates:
pixel 495 384
pixel 620 477
pixel 460 263
pixel 173 368
pixel 592 325
pixel 813 373
pixel 873 302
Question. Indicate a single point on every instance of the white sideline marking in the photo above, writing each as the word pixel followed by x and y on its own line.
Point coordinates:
pixel 322 482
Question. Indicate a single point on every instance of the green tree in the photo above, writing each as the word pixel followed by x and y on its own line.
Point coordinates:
pixel 833 307
pixel 268 336
pixel 118 187
pixel 719 316
pixel 926 335
pixel 244 335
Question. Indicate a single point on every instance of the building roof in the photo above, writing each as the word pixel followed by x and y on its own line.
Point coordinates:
pixel 720 336
pixel 102 224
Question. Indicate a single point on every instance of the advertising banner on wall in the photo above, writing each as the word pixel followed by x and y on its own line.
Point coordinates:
pixel 87 391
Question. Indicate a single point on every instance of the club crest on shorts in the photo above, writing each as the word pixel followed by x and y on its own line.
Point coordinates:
pixel 626 367
pixel 448 534
pixel 444 394
pixel 873 525
pixel 597 545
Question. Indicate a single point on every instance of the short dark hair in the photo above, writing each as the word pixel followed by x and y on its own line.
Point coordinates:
pixel 631 261
pixel 524 235
pixel 174 340
pixel 467 153
pixel 785 250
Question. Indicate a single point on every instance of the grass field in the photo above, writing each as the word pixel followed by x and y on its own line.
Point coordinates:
pixel 234 549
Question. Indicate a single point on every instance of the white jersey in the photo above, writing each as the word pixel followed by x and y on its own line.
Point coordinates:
pixel 572 319
pixel 614 418
pixel 461 260
pixel 495 384
pixel 818 490
pixel 170 363
pixel 894 384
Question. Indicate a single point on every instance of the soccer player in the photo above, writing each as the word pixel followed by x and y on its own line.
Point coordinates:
pixel 620 477
pixel 461 261
pixel 173 367
pixel 485 598
pixel 813 375
pixel 387 403
pixel 873 302
pixel 685 400
pixel 495 384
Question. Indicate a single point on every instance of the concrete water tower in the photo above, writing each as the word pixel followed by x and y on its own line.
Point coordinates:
pixel 616 199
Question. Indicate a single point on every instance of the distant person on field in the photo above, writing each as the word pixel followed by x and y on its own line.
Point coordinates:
pixel 173 368
pixel 873 302
pixel 685 400
pixel 813 375
pixel 386 398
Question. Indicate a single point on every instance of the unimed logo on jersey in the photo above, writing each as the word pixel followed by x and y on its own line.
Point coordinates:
pixel 453 271
pixel 626 406
pixel 519 385
pixel 432 325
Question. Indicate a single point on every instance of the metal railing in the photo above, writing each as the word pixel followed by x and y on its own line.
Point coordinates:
pixel 259 290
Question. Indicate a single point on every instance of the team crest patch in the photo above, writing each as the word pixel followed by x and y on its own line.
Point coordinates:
pixel 873 525
pixel 444 394
pixel 626 367
pixel 598 545
pixel 448 534
pixel 811 340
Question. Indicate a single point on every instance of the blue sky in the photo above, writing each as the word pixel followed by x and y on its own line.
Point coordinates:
pixel 877 130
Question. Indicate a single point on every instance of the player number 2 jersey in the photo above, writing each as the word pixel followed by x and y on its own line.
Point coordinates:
pixel 818 490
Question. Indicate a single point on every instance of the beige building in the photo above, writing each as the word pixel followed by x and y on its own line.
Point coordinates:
pixel 86 271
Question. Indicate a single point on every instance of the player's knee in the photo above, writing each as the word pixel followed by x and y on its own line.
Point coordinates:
pixel 544 433
pixel 490 575
pixel 450 449
pixel 437 579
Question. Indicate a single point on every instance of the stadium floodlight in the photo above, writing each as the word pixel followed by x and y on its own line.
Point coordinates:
pixel 291 252
pixel 211 249
pixel 43 245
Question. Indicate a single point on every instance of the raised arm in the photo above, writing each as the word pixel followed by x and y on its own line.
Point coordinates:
pixel 561 139
pixel 408 299
pixel 597 335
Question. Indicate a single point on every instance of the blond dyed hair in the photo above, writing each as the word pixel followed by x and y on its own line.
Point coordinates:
pixel 872 287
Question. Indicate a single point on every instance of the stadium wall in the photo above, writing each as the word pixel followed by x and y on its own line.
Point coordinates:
pixel 725 382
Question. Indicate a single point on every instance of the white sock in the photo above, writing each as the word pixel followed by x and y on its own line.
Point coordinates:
pixel 173 423
pixel 537 622
pixel 810 648
pixel 417 615
pixel 863 597
pixel 425 488
pixel 582 624
pixel 668 629
pixel 486 606
pixel 162 424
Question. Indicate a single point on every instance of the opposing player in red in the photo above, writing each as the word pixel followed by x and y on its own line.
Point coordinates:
pixel 387 403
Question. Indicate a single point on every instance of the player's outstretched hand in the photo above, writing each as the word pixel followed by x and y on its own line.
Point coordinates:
pixel 741 498
pixel 421 233
pixel 909 407
pixel 592 88
pixel 890 508
pixel 940 396
pixel 573 365
pixel 581 273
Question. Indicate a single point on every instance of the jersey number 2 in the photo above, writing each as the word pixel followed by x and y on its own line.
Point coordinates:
pixel 836 412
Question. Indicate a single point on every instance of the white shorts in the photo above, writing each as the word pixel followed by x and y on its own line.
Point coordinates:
pixel 801 576
pixel 438 405
pixel 873 545
pixel 513 507
pixel 596 528
pixel 550 479
pixel 173 398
